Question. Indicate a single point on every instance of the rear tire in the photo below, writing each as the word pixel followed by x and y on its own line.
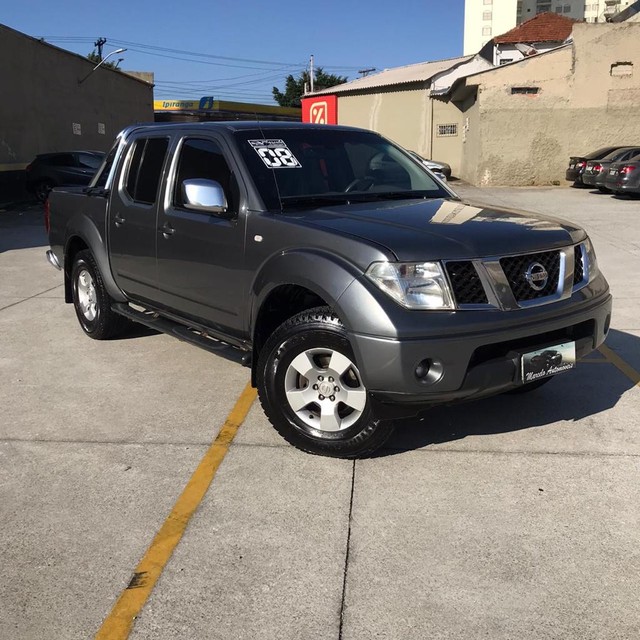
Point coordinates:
pixel 91 300
pixel 312 392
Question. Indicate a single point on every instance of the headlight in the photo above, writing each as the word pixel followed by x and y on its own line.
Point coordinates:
pixel 592 263
pixel 420 285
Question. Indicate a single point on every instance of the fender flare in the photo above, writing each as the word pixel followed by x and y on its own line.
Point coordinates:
pixel 83 227
pixel 341 284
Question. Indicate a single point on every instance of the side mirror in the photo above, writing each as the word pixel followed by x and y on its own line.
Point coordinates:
pixel 204 195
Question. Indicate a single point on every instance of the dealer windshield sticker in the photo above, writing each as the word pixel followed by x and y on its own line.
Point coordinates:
pixel 275 154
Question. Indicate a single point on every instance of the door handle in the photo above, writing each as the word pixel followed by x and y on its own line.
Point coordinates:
pixel 119 220
pixel 167 230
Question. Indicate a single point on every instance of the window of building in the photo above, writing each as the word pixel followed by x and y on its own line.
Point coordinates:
pixel 566 8
pixel 447 130
pixel 487 15
pixel 558 9
pixel 145 169
pixel 488 2
pixel 622 69
pixel 486 31
pixel 505 61
pixel 527 91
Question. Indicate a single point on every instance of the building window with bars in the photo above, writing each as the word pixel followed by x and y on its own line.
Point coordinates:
pixel 487 15
pixel 447 130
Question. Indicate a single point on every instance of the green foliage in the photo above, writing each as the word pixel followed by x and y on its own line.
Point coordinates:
pixel 95 58
pixel 294 87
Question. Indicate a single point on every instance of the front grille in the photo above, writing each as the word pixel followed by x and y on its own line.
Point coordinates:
pixel 515 268
pixel 578 265
pixel 465 282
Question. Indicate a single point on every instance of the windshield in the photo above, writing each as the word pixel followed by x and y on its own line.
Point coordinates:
pixel 312 166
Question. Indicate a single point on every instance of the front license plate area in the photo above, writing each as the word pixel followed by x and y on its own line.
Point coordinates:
pixel 547 362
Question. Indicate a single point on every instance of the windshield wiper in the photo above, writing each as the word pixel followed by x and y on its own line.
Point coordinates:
pixel 368 196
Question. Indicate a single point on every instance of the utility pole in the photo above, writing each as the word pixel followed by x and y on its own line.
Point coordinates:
pixel 311 79
pixel 365 72
pixel 100 42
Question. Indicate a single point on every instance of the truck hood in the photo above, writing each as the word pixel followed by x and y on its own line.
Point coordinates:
pixel 444 229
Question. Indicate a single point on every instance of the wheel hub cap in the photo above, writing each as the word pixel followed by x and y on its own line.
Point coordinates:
pixel 324 389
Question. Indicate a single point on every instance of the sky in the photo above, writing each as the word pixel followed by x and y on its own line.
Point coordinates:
pixel 240 50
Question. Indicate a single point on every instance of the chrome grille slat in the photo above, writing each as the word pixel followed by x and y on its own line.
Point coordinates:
pixel 515 269
pixel 501 281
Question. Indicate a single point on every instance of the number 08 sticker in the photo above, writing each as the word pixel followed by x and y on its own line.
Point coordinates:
pixel 275 154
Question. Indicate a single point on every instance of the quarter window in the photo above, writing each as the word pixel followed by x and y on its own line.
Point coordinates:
pixel 145 169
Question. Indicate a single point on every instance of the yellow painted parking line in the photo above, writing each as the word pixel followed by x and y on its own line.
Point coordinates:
pixel 618 362
pixel 118 623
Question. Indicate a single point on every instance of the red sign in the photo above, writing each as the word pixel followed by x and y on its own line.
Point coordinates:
pixel 320 110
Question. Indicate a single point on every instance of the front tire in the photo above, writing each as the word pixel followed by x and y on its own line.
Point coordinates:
pixel 312 392
pixel 91 300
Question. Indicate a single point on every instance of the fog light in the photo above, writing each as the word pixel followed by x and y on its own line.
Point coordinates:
pixel 429 371
pixel 423 369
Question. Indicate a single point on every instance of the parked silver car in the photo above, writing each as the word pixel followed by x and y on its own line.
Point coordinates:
pixel 441 169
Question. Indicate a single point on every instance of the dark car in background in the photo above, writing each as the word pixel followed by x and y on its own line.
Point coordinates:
pixel 624 177
pixel 596 171
pixel 577 164
pixel 67 168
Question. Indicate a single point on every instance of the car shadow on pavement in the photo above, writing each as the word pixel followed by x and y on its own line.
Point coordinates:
pixel 592 388
pixel 22 228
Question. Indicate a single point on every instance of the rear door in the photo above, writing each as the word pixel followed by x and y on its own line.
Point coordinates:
pixel 133 216
pixel 201 255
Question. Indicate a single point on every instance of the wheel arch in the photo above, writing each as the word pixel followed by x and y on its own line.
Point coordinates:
pixel 295 281
pixel 83 234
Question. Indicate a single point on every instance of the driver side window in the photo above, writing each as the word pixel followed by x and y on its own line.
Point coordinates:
pixel 202 158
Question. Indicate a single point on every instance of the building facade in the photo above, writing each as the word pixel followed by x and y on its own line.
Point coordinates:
pixel 522 121
pixel 485 19
pixel 54 100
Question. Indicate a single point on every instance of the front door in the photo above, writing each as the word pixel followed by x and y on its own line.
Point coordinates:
pixel 201 255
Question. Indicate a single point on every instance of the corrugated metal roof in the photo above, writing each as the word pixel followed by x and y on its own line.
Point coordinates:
pixel 420 72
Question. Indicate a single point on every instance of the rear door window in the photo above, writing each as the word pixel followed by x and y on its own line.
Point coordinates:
pixel 145 169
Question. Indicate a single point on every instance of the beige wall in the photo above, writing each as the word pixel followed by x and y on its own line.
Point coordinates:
pixel 447 148
pixel 401 116
pixel 585 101
pixel 42 100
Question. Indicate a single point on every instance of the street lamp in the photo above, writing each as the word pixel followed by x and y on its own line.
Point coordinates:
pixel 99 63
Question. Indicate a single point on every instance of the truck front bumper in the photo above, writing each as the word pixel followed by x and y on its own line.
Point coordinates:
pixel 466 364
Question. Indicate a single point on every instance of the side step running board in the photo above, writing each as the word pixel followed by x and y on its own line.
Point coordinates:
pixel 182 332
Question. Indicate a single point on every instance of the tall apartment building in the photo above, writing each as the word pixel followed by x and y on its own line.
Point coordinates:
pixel 484 19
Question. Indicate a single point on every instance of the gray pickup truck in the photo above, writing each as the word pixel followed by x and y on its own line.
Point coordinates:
pixel 357 286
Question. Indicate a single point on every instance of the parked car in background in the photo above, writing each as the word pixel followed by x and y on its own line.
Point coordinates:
pixel 441 169
pixel 624 177
pixel 596 171
pixel 49 170
pixel 577 164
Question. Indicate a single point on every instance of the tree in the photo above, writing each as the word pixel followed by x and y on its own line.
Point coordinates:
pixel 294 87
pixel 95 58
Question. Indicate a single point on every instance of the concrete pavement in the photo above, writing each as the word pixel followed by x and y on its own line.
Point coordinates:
pixel 512 517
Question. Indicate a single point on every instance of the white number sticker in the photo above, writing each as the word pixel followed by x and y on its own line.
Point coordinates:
pixel 275 154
